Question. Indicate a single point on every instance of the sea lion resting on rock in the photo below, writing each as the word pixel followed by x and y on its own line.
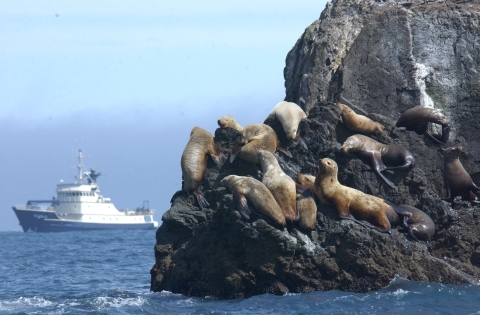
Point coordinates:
pixel 358 123
pixel 290 115
pixel 256 137
pixel 280 184
pixel 352 204
pixel 249 189
pixel 419 224
pixel 457 181
pixel 307 210
pixel 379 154
pixel 229 122
pixel 306 205
pixel 417 119
pixel 194 162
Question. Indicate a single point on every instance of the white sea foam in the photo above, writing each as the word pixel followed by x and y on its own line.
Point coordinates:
pixel 22 302
pixel 104 302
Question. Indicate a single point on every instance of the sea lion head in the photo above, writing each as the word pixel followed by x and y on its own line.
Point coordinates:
pixel 327 167
pixel 248 132
pixel 226 121
pixel 453 153
pixel 439 118
pixel 306 181
pixel 352 144
pixel 227 181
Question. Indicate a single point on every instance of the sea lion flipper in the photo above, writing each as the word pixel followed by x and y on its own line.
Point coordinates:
pixel 242 205
pixel 235 152
pixel 432 137
pixel 202 202
pixel 445 133
pixel 410 232
pixel 284 151
pixel 379 167
pixel 219 159
pixel 377 162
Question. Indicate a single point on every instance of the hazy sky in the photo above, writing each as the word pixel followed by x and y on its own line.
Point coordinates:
pixel 126 82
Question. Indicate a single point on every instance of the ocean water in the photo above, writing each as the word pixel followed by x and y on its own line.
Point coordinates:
pixel 107 272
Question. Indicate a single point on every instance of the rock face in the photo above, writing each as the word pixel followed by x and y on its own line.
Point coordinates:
pixel 385 58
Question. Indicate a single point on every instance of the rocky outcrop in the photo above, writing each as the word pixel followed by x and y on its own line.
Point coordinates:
pixel 384 57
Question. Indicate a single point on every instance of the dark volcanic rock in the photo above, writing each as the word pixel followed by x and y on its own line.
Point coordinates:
pixel 384 58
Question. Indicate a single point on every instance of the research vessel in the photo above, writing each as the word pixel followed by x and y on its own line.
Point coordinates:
pixel 79 206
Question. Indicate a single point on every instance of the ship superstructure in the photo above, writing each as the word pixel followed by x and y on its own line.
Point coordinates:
pixel 80 206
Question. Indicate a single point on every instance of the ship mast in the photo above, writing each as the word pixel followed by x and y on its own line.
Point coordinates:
pixel 80 166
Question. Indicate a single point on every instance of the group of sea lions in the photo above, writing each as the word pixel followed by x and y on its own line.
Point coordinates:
pixel 280 199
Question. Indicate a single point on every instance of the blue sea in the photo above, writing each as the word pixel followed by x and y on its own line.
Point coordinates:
pixel 107 272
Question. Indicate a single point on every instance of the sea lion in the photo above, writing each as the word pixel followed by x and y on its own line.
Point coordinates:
pixel 256 137
pixel 457 181
pixel 280 184
pixel 307 209
pixel 379 155
pixel 194 162
pixel 290 115
pixel 352 204
pixel 305 182
pixel 358 123
pixel 229 122
pixel 419 224
pixel 249 189
pixel 417 119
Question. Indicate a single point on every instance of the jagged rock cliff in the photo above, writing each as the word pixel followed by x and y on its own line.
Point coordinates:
pixel 384 57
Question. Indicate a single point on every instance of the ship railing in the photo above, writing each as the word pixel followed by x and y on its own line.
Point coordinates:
pixel 34 207
pixel 139 212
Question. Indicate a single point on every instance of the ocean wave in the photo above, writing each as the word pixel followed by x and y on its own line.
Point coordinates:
pixel 105 302
pixel 23 303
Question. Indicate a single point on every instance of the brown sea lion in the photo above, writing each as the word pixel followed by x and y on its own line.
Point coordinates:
pixel 417 119
pixel 280 184
pixel 194 162
pixel 419 224
pixel 358 123
pixel 249 189
pixel 305 181
pixel 352 204
pixel 256 137
pixel 381 156
pixel 229 122
pixel 307 209
pixel 457 181
pixel 290 115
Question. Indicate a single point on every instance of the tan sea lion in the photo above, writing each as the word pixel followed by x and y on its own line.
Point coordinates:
pixel 307 209
pixel 290 115
pixel 419 224
pixel 280 184
pixel 457 181
pixel 256 137
pixel 358 123
pixel 229 122
pixel 417 119
pixel 381 156
pixel 194 162
pixel 249 189
pixel 352 204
